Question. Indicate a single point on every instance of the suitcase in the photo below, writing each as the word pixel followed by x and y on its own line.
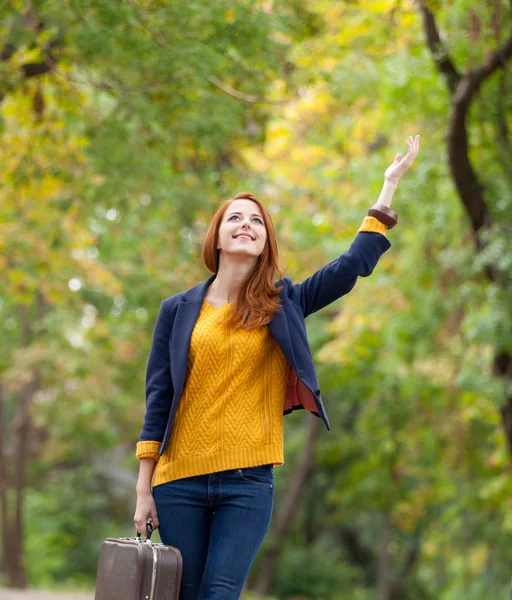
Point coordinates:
pixel 132 569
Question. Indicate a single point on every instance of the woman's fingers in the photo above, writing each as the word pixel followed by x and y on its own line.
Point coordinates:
pixel 140 526
pixel 146 510
pixel 401 164
pixel 154 518
pixel 413 145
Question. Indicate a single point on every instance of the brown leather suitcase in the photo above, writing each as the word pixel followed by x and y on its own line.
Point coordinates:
pixel 132 569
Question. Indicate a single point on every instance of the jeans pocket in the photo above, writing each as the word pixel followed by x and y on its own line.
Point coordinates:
pixel 261 475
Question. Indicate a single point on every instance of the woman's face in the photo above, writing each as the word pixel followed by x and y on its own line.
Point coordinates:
pixel 242 230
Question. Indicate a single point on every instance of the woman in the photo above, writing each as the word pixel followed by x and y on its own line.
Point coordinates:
pixel 229 358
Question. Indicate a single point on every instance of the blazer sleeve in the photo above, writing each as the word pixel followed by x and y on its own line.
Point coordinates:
pixel 339 276
pixel 159 390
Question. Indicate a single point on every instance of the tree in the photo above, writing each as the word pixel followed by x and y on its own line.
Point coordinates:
pixel 121 123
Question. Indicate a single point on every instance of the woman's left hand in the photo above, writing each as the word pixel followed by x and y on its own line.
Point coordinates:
pixel 401 165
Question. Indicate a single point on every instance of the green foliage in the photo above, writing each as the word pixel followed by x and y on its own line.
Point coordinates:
pixel 156 111
pixel 66 520
pixel 311 572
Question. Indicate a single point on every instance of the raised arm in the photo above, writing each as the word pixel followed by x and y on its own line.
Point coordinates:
pixel 339 276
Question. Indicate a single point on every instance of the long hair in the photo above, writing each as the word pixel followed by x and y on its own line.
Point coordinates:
pixel 258 298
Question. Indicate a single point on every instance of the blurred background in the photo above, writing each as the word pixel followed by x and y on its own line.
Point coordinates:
pixel 123 125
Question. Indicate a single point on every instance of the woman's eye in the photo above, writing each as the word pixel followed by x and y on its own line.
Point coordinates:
pixel 255 219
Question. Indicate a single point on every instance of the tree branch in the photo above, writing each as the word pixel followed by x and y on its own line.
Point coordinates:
pixel 156 36
pixel 35 69
pixel 438 49
pixel 227 89
pixel 411 559
pixel 466 180
pixel 505 155
pixel 463 90
pixel 473 80
pixel 32 21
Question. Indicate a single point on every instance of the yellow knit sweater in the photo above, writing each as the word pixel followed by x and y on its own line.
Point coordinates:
pixel 231 411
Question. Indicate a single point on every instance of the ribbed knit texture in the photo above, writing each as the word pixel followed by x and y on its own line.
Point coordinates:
pixel 231 412
pixel 373 224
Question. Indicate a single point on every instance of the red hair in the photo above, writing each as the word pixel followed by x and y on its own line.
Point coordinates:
pixel 258 299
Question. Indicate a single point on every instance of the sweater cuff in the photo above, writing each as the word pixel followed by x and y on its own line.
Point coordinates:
pixel 373 224
pixel 148 450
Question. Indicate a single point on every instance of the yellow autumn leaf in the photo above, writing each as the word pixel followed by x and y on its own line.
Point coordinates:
pixel 230 16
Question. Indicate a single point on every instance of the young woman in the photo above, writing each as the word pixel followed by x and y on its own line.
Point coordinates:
pixel 229 358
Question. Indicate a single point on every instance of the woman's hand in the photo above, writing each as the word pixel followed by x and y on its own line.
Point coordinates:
pixel 145 509
pixel 401 165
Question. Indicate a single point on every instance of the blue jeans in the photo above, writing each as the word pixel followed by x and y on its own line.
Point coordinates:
pixel 218 522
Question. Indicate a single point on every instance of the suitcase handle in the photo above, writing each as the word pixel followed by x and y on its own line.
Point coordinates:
pixel 149 531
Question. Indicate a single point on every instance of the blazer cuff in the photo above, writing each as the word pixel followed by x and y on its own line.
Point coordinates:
pixel 148 450
pixel 373 224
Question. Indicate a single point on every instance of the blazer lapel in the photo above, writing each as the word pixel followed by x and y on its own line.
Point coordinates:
pixel 184 322
pixel 279 329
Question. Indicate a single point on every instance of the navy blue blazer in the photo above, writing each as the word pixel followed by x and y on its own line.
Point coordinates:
pixel 168 357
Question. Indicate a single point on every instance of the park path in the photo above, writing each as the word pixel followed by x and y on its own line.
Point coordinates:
pixel 35 595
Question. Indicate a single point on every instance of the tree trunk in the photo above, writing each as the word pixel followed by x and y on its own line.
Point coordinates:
pixel 502 367
pixel 4 486
pixel 13 479
pixel 13 524
pixel 384 577
pixel 288 509
pixel 463 89
pixel 18 576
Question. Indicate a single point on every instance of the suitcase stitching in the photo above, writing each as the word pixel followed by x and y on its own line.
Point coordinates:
pixel 154 571
pixel 158 573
